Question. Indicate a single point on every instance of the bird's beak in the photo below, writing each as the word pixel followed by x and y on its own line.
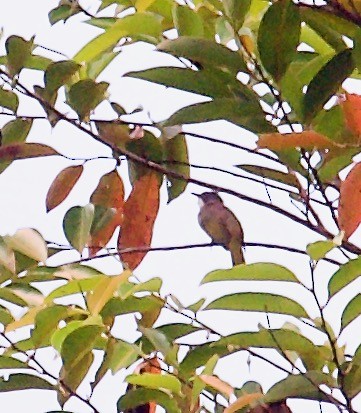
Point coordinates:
pixel 193 193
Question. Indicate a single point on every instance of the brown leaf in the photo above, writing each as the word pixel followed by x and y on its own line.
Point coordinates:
pixel 243 401
pixel 110 194
pixel 140 212
pixel 113 133
pixel 24 151
pixel 278 407
pixel 307 140
pixel 349 208
pixel 351 107
pixel 62 185
pixel 221 386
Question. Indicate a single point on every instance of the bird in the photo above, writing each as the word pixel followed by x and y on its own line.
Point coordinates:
pixel 221 225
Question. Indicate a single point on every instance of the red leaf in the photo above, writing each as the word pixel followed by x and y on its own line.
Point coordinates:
pixel 349 208
pixel 351 107
pixel 62 185
pixel 306 139
pixel 140 212
pixel 110 194
pixel 24 151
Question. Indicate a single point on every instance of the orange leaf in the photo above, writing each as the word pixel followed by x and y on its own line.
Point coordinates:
pixel 110 194
pixel 62 185
pixel 140 212
pixel 307 140
pixel 245 400
pixel 349 207
pixel 218 384
pixel 351 107
pixel 24 151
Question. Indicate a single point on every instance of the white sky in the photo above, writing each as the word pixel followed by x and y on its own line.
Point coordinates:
pixel 23 188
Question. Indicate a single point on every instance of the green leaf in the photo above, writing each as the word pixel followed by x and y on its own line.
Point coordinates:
pixel 326 83
pixel 330 27
pixel 156 381
pixel 146 26
pixel 7 256
pixel 58 74
pixel 351 311
pixel 238 111
pixel 123 355
pixel 158 339
pixel 318 250
pixel 268 173
pixel 28 242
pixel 138 397
pixel 236 11
pixel 12 363
pixel 9 100
pixel 101 62
pixel 15 131
pixel 176 160
pixel 5 317
pixel 76 224
pixel 187 22
pixel 206 82
pixel 18 51
pixel 149 148
pixel 344 276
pixel 262 302
pixel 278 37
pixel 75 287
pixel 252 272
pixel 86 95
pixel 62 12
pixel 206 53
pixel 79 343
pixel 301 386
pixel 22 381
pixel 357 50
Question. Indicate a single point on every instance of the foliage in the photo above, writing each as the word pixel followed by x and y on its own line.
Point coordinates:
pixel 274 69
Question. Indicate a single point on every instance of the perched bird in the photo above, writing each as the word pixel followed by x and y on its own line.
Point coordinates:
pixel 221 224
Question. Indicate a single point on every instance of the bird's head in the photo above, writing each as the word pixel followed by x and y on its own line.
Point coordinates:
pixel 208 198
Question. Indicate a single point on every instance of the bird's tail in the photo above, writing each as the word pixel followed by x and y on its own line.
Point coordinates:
pixel 236 253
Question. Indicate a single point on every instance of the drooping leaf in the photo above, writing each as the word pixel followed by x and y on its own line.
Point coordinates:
pixel 326 83
pixel 187 22
pixel 7 256
pixel 77 223
pixel 18 52
pixel 344 275
pixel 15 131
pixel 9 100
pixel 86 95
pixel 244 401
pixel 62 185
pixel 278 37
pixel 140 212
pixel 104 291
pixel 108 198
pixel 176 159
pixel 351 311
pixel 149 148
pixel 307 140
pixel 351 107
pixel 62 12
pixel 263 302
pixel 349 211
pixel 252 272
pixel 204 52
pixel 29 242
pixel 58 74
pixel 113 133
pixel 236 11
